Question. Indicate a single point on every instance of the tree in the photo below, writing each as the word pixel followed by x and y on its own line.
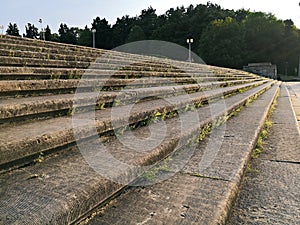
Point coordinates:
pixel 241 14
pixel 222 44
pixel 12 30
pixel 136 34
pixel 63 33
pixel 31 31
pixel 288 51
pixel 67 35
pixel 148 21
pixel 55 37
pixel 263 37
pixel 103 33
pixel 85 37
pixel 175 27
pixel 121 30
pixel 48 35
pixel 202 16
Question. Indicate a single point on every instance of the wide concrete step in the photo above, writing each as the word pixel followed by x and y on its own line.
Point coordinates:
pixel 39 87
pixel 22 45
pixel 34 45
pixel 102 60
pixel 111 58
pixel 19 143
pixel 35 73
pixel 45 87
pixel 19 61
pixel 98 64
pixel 65 74
pixel 44 55
pixel 49 57
pixel 198 184
pixel 18 109
pixel 25 44
pixel 63 51
pixel 15 43
pixel 64 188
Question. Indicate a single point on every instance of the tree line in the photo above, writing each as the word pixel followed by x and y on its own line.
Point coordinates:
pixel 222 37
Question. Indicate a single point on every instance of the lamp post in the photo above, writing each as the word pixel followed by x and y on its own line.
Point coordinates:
pixel 94 39
pixel 190 41
pixel 42 30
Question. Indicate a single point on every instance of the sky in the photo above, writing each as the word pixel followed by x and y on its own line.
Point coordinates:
pixel 79 13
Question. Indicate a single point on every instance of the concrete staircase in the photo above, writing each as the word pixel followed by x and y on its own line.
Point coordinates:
pixel 80 125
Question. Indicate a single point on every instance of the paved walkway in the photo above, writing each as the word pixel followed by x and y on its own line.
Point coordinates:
pixel 294 90
pixel 270 192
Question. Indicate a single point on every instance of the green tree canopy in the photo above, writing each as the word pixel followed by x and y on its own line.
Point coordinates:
pixel 147 21
pixel 31 31
pixel 13 30
pixel 48 35
pixel 67 35
pixel 221 44
pixel 121 30
pixel 85 37
pixel 103 33
pixel 136 34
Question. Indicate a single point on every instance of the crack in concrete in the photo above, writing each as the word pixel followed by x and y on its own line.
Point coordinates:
pixel 284 161
pixel 195 174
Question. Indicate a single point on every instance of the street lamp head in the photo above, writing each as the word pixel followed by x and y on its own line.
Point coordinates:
pixel 190 40
pixel 94 30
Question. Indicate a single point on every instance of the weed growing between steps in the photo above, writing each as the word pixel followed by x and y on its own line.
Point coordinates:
pixel 203 176
pixel 165 113
pixel 185 91
pixel 263 136
pixel 40 158
pixel 157 172
pixel 162 114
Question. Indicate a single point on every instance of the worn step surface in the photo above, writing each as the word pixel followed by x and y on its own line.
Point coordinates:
pixel 31 73
pixel 44 87
pixel 23 140
pixel 29 106
pixel 62 189
pixel 100 63
pixel 204 188
pixel 270 194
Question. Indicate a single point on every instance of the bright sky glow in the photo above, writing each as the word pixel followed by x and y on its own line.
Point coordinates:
pixel 81 12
